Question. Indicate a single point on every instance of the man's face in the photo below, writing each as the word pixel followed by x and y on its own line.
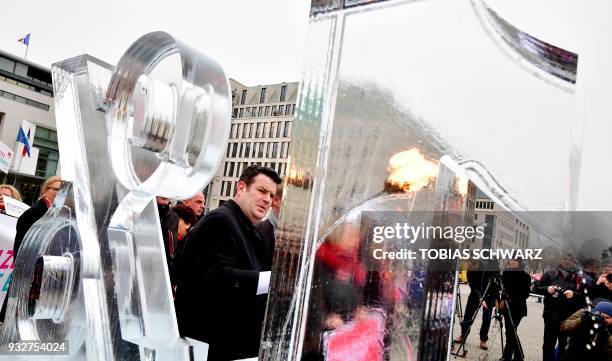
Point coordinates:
pixel 196 203
pixel 256 199
pixel 567 262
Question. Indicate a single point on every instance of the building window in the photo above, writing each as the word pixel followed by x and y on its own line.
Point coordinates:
pixel 281 110
pixel 273 126
pixel 267 112
pixel 234 149
pixel 243 97
pixel 241 113
pixel 278 129
pixel 21 70
pixel 23 100
pixel 7 65
pixel 48 155
pixel 287 131
pixel 283 93
pixel 260 112
pixel 274 113
pixel 284 149
pixel 274 150
pixel 262 95
pixel 235 113
pixel 288 109
pixel 260 153
pixel 229 147
pixel 247 149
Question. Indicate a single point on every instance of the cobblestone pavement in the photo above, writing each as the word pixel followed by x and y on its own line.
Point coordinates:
pixel 530 331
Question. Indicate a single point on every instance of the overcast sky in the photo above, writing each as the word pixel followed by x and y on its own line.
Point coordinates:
pixel 256 41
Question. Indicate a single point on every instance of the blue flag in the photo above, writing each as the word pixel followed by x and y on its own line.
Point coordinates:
pixel 25 39
pixel 22 138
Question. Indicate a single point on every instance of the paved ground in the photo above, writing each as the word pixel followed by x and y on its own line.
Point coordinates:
pixel 531 330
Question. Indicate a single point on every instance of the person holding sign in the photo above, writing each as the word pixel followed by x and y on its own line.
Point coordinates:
pixel 48 191
pixel 7 190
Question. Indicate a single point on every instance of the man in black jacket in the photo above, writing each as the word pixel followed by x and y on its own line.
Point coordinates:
pixel 478 279
pixel 516 283
pixel 221 296
pixel 561 298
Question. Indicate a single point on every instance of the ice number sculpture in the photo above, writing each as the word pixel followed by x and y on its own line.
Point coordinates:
pixel 93 270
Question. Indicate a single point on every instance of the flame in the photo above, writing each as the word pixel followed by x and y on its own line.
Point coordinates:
pixel 461 186
pixel 410 171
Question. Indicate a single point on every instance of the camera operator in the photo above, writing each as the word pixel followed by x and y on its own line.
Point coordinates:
pixel 516 284
pixel 478 279
pixel 579 327
pixel 561 299
pixel 602 287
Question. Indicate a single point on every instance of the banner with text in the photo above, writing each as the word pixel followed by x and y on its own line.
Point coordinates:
pixel 7 236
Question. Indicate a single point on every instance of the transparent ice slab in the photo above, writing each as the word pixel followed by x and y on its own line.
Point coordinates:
pixel 470 91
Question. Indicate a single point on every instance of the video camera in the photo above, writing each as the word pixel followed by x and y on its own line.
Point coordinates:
pixel 594 320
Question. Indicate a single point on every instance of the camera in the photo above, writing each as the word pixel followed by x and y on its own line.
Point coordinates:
pixel 609 277
pixel 558 291
pixel 594 320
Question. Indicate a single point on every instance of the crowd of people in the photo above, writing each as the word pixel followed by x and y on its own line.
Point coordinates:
pixel 227 254
pixel 577 307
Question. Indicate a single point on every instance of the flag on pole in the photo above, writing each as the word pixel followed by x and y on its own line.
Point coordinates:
pixel 25 40
pixel 22 138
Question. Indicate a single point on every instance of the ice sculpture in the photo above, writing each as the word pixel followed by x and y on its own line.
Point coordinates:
pixel 473 94
pixel 93 270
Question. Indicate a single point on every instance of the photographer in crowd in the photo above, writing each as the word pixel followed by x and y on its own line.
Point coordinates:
pixel 561 299
pixel 585 327
pixel 513 306
pixel 602 287
pixel 478 278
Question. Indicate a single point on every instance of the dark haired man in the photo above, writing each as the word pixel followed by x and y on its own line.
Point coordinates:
pixel 221 295
pixel 561 299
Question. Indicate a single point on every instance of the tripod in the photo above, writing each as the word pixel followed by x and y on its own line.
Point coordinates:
pixel 458 307
pixel 498 282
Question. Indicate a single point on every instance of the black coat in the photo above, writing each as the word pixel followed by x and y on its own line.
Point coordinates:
pixel 27 219
pixel 559 308
pixel 216 299
pixel 478 281
pixel 517 284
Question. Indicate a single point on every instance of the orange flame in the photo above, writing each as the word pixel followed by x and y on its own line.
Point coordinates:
pixel 410 171
pixel 462 185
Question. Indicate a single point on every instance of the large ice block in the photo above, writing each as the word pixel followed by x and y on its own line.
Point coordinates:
pixel 93 271
pixel 475 95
